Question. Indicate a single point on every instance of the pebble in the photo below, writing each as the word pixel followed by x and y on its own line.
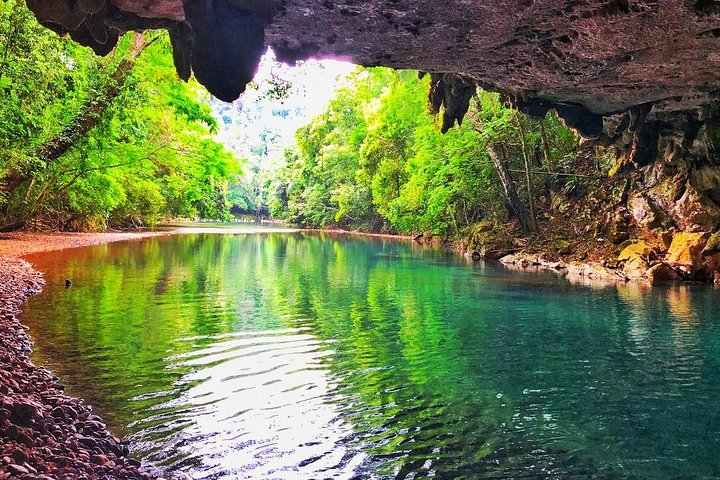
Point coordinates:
pixel 39 424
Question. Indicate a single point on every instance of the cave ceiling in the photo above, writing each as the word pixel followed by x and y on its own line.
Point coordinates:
pixel 588 59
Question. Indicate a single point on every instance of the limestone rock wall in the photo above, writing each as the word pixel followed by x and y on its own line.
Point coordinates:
pixel 591 56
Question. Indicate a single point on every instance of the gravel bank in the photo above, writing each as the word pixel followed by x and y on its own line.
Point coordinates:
pixel 43 432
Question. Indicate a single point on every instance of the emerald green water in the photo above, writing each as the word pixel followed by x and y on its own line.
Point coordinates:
pixel 300 355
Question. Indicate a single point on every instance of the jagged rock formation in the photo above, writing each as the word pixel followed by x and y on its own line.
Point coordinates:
pixel 587 58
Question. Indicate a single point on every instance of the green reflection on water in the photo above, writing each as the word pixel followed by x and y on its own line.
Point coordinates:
pixel 429 366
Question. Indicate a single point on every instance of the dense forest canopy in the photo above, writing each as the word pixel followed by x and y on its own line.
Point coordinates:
pixel 89 142
pixel 376 160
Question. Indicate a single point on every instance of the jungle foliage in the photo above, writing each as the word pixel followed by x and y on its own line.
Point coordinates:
pixel 89 142
pixel 375 160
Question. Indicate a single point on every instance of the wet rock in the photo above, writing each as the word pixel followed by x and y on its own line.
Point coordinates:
pixel 508 259
pixel 557 265
pixel 662 273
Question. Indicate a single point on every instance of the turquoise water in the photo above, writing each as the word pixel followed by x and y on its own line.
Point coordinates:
pixel 301 355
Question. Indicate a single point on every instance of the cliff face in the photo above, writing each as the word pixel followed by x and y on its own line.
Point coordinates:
pixel 640 75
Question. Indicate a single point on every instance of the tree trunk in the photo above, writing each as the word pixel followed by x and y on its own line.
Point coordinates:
pixel 88 118
pixel 528 175
pixel 546 148
pixel 527 223
pixel 509 188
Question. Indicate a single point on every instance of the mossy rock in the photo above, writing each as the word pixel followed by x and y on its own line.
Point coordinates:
pixel 484 226
pixel 713 244
pixel 635 250
pixel 559 202
pixel 618 234
pixel 487 235
pixel 624 245
pixel 562 247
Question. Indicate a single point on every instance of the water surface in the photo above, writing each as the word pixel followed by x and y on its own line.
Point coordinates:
pixel 299 355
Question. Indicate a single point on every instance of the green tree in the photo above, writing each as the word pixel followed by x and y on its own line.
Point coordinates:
pixel 88 142
pixel 376 160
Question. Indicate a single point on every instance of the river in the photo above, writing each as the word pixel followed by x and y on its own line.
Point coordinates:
pixel 304 355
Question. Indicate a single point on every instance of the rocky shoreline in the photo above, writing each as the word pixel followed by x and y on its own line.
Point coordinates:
pixel 45 434
pixel 575 271
pixel 688 257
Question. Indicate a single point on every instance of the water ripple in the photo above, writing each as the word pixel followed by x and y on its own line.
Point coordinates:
pixel 300 356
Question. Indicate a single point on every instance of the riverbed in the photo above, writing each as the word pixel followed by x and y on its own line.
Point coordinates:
pixel 286 354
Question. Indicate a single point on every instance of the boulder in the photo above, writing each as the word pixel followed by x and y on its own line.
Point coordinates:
pixel 685 254
pixel 635 268
pixel 637 249
pixel 509 259
pixel 635 259
pixel 695 212
pixel 473 255
pixel 713 244
pixel 687 247
pixel 712 267
pixel 559 265
pixel 646 214
pixel 662 273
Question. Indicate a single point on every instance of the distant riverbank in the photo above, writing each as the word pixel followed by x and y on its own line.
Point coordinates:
pixel 19 244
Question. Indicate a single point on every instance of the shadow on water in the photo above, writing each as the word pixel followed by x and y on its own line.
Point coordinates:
pixel 299 355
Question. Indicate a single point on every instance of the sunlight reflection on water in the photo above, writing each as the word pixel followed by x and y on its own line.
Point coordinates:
pixel 255 406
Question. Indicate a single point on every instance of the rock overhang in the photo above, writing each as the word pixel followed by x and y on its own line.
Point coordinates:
pixel 606 66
